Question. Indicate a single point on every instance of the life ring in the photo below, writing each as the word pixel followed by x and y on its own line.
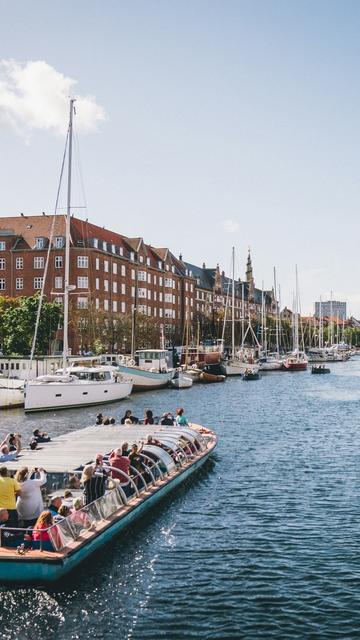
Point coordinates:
pixel 131 362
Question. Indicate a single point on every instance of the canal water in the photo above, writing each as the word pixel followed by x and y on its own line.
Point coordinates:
pixel 263 543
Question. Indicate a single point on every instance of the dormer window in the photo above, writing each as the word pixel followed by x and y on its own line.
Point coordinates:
pixel 190 274
pixel 104 245
pixel 148 262
pixel 132 256
pixel 121 251
pixel 141 259
pixel 59 242
pixel 95 243
pixel 160 264
pixel 113 248
pixel 173 269
pixel 39 243
pixel 167 267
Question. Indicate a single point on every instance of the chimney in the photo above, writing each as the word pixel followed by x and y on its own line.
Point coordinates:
pixel 204 265
pixel 223 274
pixel 180 257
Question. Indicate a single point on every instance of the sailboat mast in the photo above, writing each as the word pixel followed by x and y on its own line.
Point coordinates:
pixel 296 325
pixel 67 244
pixel 233 306
pixel 276 317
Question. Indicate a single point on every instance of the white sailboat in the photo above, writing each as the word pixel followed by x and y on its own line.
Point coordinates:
pixel 297 360
pixel 234 367
pixel 77 386
pixel 271 361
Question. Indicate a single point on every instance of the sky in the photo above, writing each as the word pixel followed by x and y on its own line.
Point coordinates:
pixel 200 125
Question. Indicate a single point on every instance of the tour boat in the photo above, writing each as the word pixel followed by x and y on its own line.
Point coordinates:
pixel 148 369
pixel 174 454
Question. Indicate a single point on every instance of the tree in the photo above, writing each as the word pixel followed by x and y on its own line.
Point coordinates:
pixel 18 325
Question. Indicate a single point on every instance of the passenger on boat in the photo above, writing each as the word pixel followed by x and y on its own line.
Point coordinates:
pixel 149 418
pixel 121 462
pixel 94 484
pixel 125 449
pixel 151 440
pixel 68 500
pixel 128 416
pixel 108 420
pixel 135 459
pixel 74 482
pixel 40 437
pixel 55 505
pixel 30 503
pixel 7 454
pixel 63 513
pixel 167 419
pixel 181 420
pixel 78 517
pixel 9 490
pixel 99 418
pixel 9 537
pixel 50 540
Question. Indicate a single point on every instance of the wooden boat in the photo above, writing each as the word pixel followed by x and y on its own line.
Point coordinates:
pixel 210 377
pixel 251 375
pixel 320 369
pixel 181 382
pixel 175 454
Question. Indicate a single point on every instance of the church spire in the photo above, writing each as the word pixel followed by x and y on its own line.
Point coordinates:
pixel 250 277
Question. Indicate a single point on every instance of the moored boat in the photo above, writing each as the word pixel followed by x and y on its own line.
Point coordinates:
pixel 181 381
pixel 148 369
pixel 251 375
pixel 168 457
pixel 210 377
pixel 320 369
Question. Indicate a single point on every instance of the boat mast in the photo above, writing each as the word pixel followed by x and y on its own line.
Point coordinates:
pixel 233 306
pixel 67 245
pixel 276 318
pixel 296 324
pixel 320 325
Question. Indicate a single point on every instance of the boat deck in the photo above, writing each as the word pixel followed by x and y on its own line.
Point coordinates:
pixel 79 447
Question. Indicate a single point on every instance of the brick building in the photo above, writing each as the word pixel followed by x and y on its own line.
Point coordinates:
pixel 113 274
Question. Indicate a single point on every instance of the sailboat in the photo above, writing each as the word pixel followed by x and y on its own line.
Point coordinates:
pixel 271 361
pixel 297 360
pixel 74 386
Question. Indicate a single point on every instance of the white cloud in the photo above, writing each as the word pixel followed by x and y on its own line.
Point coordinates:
pixel 33 95
pixel 230 226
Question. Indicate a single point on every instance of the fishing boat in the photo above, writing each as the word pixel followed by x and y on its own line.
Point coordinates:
pixel 207 378
pixel 181 381
pixel 251 375
pixel 148 369
pixel 168 458
pixel 320 369
pixel 96 385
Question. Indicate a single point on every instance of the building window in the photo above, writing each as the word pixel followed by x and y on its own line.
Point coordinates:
pixel 97 283
pixel 148 262
pixel 123 307
pixel 96 243
pixel 133 274
pixel 168 297
pixel 114 306
pixel 58 282
pixel 58 262
pixel 2 245
pixel 59 300
pixel 19 263
pixel 106 305
pixel 121 251
pixel 2 264
pixel 38 283
pixel 142 276
pixel 160 264
pixel 83 282
pixel 106 285
pixel 114 268
pixel 141 259
pixel 39 243
pixel 149 278
pixel 104 245
pixel 39 263
pixel 97 303
pixel 154 312
pixel 82 262
pixel 160 313
pixel 19 283
pixel 123 270
pixel 133 292
pixel 113 248
pixel 114 287
pixel 186 286
pixel 97 264
pixel 142 293
pixel 191 288
pixel 174 299
pixel 168 282
pixel 154 277
pixel 155 295
pixel 142 309
pixel 149 294
pixel 173 269
pixel 132 256
pixel 82 303
pixel 168 313
pixel 160 296
pixel 106 266
pixel 59 242
pixel 160 281
pixel 123 288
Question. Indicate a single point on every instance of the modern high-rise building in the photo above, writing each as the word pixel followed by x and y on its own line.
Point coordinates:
pixel 331 308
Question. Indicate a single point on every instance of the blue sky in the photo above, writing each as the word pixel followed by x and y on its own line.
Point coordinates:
pixel 226 123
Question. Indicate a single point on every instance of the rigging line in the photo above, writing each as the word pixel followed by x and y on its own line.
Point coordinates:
pixel 79 167
pixel 47 257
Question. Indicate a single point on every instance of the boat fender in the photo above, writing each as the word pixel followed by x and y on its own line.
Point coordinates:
pixel 131 362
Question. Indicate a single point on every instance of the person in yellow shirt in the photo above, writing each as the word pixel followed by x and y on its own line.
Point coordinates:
pixel 9 490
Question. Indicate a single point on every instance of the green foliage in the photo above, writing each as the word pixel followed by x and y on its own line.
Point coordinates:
pixel 18 321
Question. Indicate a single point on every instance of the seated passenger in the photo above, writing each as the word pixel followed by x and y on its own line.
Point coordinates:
pixel 55 505
pixel 181 420
pixel 121 462
pixel 99 418
pixel 74 482
pixel 167 419
pixel 68 500
pixel 9 537
pixel 9 451
pixel 94 484
pixel 151 440
pixel 41 437
pixel 63 513
pixel 135 459
pixel 128 416
pixel 125 449
pixel 80 518
pixel 50 539
pixel 149 418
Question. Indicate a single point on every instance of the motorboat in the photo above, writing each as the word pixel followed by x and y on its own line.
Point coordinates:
pixel 181 381
pixel 320 369
pixel 251 375
pixel 168 459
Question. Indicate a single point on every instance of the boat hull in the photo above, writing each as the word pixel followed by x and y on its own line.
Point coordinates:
pixel 210 377
pixel 48 396
pixel 45 569
pixel 11 394
pixel 183 382
pixel 145 380
pixel 275 365
pixel 295 366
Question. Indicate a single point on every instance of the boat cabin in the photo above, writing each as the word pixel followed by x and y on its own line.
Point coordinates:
pixel 152 359
pixel 88 373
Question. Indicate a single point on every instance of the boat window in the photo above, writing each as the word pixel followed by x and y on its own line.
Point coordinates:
pixel 161 454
